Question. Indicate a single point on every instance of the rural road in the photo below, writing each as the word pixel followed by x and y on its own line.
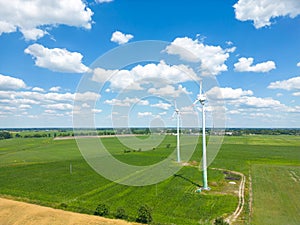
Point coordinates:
pixel 21 213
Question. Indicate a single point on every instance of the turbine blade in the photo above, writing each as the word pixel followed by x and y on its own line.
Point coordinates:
pixel 175 104
pixel 195 102
pixel 200 91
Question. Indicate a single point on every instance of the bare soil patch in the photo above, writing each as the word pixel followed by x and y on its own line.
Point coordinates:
pixel 20 213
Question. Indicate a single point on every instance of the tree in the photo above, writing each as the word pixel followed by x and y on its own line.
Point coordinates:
pixel 101 210
pixel 144 214
pixel 220 221
pixel 5 135
pixel 121 214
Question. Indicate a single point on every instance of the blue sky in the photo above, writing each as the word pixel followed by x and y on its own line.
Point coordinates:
pixel 250 48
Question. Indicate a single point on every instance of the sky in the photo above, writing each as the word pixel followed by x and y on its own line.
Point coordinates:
pixel 246 52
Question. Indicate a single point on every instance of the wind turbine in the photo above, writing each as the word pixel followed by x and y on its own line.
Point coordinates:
pixel 177 113
pixel 201 98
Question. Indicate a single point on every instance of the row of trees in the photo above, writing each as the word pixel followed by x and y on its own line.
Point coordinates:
pixel 144 213
pixel 5 135
pixel 262 131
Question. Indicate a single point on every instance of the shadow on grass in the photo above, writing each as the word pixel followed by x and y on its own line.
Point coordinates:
pixel 187 179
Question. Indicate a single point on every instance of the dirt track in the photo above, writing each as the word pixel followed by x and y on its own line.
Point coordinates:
pixel 20 213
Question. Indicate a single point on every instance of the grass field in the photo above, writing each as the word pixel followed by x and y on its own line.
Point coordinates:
pixel 38 170
pixel 276 193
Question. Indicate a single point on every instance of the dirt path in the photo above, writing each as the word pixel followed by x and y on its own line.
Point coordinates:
pixel 240 206
pixel 230 219
pixel 20 213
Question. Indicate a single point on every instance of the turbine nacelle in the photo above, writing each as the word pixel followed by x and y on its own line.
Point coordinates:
pixel 201 98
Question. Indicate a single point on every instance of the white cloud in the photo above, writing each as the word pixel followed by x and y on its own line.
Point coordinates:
pixel 126 102
pixel 162 113
pixel 155 74
pixel 212 58
pixel 38 89
pixel 120 38
pixel 33 18
pixel 59 106
pixel 257 102
pixel 169 91
pixel 290 84
pixel 243 99
pixel 246 65
pixel 7 82
pixel 298 64
pixel 87 96
pixel 161 105
pixel 262 11
pixel 56 59
pixel 103 1
pixel 144 114
pixel 55 89
pixel 227 93
pixel 96 110
pixel 24 106
pixel 296 94
pixel 50 111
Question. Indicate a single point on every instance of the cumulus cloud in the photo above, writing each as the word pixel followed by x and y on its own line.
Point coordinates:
pixel 169 91
pixel 59 106
pixel 33 18
pixel 227 93
pixel 56 59
pixel 55 89
pixel 155 74
pixel 120 38
pixel 126 102
pixel 298 64
pixel 161 105
pixel 261 12
pixel 38 89
pixel 246 65
pixel 7 82
pixel 103 1
pixel 290 84
pixel 212 58
pixel 239 100
pixel 144 114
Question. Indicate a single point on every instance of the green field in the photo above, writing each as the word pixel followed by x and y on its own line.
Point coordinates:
pixel 276 193
pixel 38 170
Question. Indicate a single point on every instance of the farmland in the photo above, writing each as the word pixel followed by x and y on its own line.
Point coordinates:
pixel 53 173
pixel 276 190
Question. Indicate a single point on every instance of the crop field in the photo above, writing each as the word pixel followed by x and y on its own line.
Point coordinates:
pixel 276 192
pixel 53 173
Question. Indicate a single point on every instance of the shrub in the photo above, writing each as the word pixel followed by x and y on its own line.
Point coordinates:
pixel 144 214
pixel 220 221
pixel 101 210
pixel 120 213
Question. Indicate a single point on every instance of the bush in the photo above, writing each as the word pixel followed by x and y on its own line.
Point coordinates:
pixel 101 210
pixel 220 221
pixel 121 214
pixel 144 214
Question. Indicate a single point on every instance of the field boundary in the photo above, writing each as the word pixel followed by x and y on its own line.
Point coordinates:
pixel 32 214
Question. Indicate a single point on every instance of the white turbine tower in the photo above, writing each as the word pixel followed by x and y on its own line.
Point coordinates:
pixel 177 113
pixel 202 98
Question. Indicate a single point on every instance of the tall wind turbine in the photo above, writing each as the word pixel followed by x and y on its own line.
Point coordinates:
pixel 201 98
pixel 177 113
